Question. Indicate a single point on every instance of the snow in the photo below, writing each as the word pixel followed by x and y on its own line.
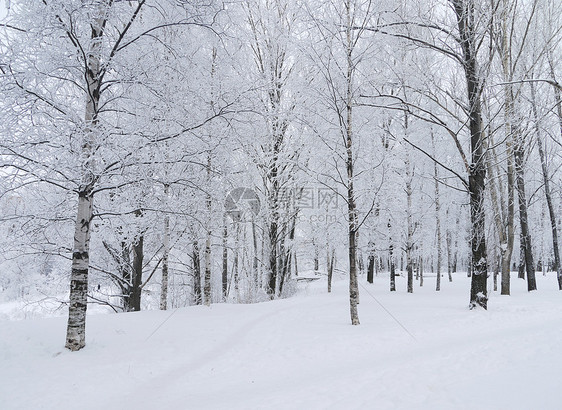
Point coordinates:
pixel 300 353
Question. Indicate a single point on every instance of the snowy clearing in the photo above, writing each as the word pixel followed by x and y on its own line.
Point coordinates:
pixel 299 353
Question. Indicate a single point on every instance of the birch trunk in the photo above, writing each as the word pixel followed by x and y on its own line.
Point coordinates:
pixel 391 260
pixel 449 241
pixel 196 274
pixel 330 269
pixel 225 260
pixel 437 219
pixel 76 326
pixel 351 207
pixel 207 277
pixel 409 239
pixel 547 192
pixel 165 257
pixel 420 268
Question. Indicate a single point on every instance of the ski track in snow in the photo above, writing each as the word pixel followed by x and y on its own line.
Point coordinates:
pixel 299 353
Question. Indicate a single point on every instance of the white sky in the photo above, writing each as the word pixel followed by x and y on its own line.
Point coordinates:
pixel 2 9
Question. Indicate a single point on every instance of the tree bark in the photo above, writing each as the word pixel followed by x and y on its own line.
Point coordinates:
pixel 464 11
pixel 330 268
pixel 437 219
pixel 351 207
pixel 523 219
pixel 165 257
pixel 371 266
pixel 138 256
pixel 76 326
pixel 391 260
pixel 225 261
pixel 547 192
pixel 196 274
pixel 410 227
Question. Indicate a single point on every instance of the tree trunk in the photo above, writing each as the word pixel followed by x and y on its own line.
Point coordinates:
pixel 521 266
pixel 138 256
pixel 196 274
pixel 504 221
pixel 272 259
pixel 523 219
pixel 391 260
pixel 316 256
pixel 351 207
pixel 496 273
pixel 409 240
pixel 465 19
pixel 127 276
pixel 76 326
pixel 207 278
pixel 421 270
pixel 330 269
pixel 165 257
pixel 546 182
pixel 208 203
pixel 410 237
pixel 437 219
pixel 371 267
pixel 225 261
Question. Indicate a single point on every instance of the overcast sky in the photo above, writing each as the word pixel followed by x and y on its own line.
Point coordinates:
pixel 2 9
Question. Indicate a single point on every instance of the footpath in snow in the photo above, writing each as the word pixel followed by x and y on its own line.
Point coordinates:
pixel 300 353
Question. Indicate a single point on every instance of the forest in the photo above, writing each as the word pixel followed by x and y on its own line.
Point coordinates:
pixel 160 154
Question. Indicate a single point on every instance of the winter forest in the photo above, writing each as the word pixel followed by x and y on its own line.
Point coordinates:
pixel 394 160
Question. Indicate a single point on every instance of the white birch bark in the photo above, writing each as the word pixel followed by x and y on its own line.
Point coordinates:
pixel 76 327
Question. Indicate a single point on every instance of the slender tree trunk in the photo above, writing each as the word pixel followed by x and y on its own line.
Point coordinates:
pixel 557 92
pixel 523 220
pixel 351 207
pixel 316 256
pixel 331 269
pixel 511 133
pixel 456 247
pixel 496 272
pixel 76 326
pixel 505 224
pixel 272 259
pixel 521 265
pixel 546 182
pixel 410 238
pixel 371 266
pixel 138 256
pixel 225 261
pixel 165 257
pixel 207 277
pixel 126 274
pixel 437 219
pixel 196 274
pixel 236 264
pixel 421 270
pixel 256 266
pixel 449 256
pixel 391 260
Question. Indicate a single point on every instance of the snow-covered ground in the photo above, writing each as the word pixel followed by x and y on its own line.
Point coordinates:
pixel 300 353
